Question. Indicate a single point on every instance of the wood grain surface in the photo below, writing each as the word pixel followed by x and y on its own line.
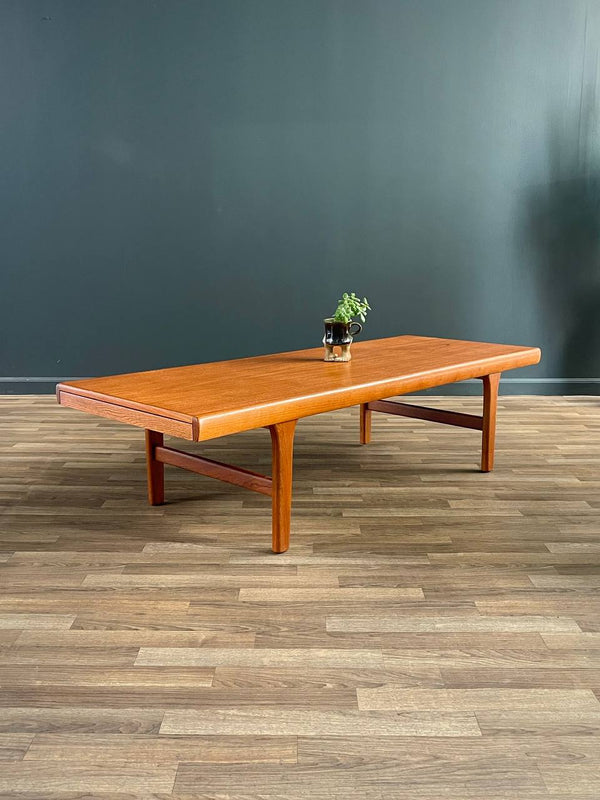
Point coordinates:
pixel 203 401
pixel 433 633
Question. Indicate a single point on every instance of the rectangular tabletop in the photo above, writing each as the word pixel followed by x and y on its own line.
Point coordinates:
pixel 203 401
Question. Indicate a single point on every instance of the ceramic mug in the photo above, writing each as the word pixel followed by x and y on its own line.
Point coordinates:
pixel 338 333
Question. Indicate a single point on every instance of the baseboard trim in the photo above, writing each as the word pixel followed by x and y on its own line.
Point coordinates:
pixel 36 384
pixel 58 379
pixel 31 384
pixel 38 379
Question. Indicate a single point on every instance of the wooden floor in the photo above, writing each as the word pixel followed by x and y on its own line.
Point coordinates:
pixel 433 633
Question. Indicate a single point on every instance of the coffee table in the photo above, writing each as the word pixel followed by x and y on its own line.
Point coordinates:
pixel 205 401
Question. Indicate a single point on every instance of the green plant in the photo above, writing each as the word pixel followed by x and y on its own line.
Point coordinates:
pixel 351 306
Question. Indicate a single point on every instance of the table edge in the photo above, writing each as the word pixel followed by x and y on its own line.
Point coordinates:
pixel 201 428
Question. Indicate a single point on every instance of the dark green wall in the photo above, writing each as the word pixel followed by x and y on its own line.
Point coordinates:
pixel 185 180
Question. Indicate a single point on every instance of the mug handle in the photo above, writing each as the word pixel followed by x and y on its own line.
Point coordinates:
pixel 358 328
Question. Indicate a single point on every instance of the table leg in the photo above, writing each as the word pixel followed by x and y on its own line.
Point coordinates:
pixel 490 404
pixel 155 470
pixel 365 423
pixel 282 441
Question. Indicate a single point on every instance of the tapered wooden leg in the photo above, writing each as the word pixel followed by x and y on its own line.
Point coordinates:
pixel 154 469
pixel 365 423
pixel 490 404
pixel 282 440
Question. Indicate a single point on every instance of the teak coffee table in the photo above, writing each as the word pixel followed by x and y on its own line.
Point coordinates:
pixel 204 401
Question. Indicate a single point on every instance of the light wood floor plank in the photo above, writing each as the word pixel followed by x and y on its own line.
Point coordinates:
pixel 14 746
pixel 54 776
pixel 299 658
pixel 336 595
pixel 74 719
pixel 478 624
pixel 307 722
pixel 388 698
pixel 137 748
pixel 132 637
pixel 37 621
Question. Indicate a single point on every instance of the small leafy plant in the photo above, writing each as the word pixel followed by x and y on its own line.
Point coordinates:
pixel 351 306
